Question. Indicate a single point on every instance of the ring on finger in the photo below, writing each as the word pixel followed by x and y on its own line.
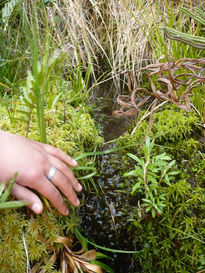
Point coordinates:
pixel 51 173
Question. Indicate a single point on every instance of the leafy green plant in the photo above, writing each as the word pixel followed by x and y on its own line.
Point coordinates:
pixel 152 172
pixel 190 39
pixel 173 242
pixel 163 14
pixel 5 194
pixel 30 100
pixel 79 90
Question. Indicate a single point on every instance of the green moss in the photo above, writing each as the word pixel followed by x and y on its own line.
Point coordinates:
pixel 40 234
pixel 72 131
pixel 173 241
pixel 173 125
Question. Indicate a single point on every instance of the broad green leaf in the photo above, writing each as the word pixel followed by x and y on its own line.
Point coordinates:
pixel 148 148
pixel 7 11
pixel 153 213
pixel 170 165
pixel 149 208
pixel 150 178
pixel 162 157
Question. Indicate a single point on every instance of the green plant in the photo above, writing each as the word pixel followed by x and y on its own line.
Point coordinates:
pixel 79 89
pixel 75 135
pixel 164 13
pixel 194 38
pixel 152 172
pixel 5 193
pixel 32 100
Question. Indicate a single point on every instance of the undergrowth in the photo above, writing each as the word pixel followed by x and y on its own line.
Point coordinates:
pixel 96 36
pixel 171 239
pixel 74 132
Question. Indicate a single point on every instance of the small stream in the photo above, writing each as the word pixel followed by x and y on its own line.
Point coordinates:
pixel 103 217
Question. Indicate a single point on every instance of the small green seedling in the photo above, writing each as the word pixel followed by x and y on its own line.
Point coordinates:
pixel 152 172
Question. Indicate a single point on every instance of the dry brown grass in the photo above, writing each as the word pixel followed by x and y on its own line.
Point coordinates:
pixel 113 35
pixel 104 32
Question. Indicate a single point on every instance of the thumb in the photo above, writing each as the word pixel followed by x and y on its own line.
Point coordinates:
pixel 23 193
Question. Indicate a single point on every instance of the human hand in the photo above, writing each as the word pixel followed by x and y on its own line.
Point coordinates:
pixel 32 161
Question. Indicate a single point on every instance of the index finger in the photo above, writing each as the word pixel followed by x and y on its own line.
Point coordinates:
pixel 59 154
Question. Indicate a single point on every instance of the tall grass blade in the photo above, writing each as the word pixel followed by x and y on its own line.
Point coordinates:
pixel 39 94
pixel 194 16
pixel 82 238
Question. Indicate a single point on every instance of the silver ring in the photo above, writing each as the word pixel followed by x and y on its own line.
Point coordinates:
pixel 51 173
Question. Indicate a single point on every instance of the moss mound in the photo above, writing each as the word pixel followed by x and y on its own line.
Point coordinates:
pixel 72 131
pixel 174 240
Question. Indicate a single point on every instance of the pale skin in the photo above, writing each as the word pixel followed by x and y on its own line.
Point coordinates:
pixel 32 161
